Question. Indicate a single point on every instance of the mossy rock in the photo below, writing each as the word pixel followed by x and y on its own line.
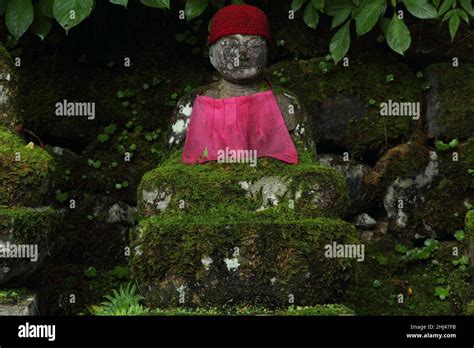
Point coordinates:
pixel 238 258
pixel 404 160
pixel 24 171
pixel 307 188
pixel 470 225
pixel 8 115
pixel 343 102
pixel 443 209
pixel 22 227
pixel 18 302
pixel 448 114
pixel 316 310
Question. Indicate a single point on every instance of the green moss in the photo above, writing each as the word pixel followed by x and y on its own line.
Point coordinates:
pixel 470 308
pixel 317 310
pixel 28 225
pixel 362 133
pixel 453 87
pixel 403 161
pixel 469 229
pixel 212 184
pixel 272 245
pixel 444 207
pixel 24 182
pixel 376 287
pixel 13 296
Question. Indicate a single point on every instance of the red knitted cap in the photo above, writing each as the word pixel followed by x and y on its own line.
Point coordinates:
pixel 239 19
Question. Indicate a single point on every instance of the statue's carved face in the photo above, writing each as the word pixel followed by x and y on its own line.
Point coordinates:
pixel 239 58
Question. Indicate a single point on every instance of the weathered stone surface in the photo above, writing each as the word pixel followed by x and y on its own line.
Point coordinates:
pixel 8 115
pixel 30 235
pixel 407 194
pixel 365 221
pixel 25 306
pixel 404 160
pixel 355 174
pixel 307 189
pixel 237 258
pixel 444 207
pixel 448 113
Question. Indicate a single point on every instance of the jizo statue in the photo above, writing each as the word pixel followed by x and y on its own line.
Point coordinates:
pixel 241 111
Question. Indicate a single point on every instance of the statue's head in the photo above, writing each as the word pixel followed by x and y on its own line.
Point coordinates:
pixel 239 43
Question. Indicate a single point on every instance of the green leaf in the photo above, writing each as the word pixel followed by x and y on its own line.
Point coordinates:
pixel 340 42
pixel 445 6
pixel 398 35
pixel 463 15
pixel 41 24
pixel 124 3
pixel 420 9
pixel 400 248
pixel 333 7
pixel 467 5
pixel 70 13
pixel 121 272
pixel 90 272
pixel 369 14
pixel 296 5
pixel 376 283
pixel 442 293
pixel 459 235
pixel 195 8
pixel 318 4
pixel 454 143
pixel 382 260
pixel 311 16
pixel 454 25
pixel 156 3
pixel 102 138
pixel 18 17
pixel 448 15
pixel 46 8
pixel 341 17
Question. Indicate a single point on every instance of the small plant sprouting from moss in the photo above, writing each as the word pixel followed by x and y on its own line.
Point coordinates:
pixel 108 131
pixel 462 262
pixel 459 235
pixel 90 272
pixel 424 253
pixel 61 197
pixel 441 146
pixel 95 164
pixel 122 185
pixel 442 293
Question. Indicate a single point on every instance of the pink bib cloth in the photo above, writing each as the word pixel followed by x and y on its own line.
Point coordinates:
pixel 252 122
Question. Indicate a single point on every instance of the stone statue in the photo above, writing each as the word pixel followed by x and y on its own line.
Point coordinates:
pixel 239 43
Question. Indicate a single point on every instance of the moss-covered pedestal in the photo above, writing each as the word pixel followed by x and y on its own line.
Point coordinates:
pixel 27 228
pixel 229 234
